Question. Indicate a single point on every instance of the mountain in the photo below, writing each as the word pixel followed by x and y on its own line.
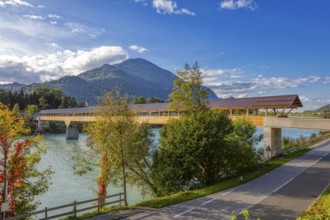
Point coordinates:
pixel 325 108
pixel 136 77
pixel 14 87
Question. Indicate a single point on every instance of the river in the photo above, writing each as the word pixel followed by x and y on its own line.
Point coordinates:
pixel 67 187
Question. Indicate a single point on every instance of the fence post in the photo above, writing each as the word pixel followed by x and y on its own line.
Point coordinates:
pixel 119 199
pixel 46 213
pixel 98 204
pixel 75 208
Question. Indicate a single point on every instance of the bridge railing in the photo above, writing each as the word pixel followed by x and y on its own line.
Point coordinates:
pixel 71 208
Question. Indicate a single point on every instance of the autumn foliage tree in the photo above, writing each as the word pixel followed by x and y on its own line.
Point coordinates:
pixel 121 146
pixel 19 156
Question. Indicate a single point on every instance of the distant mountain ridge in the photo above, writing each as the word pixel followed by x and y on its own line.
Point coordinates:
pixel 135 77
pixel 14 87
pixel 325 108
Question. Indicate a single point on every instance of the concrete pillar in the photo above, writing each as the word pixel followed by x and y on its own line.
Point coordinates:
pixel 273 139
pixel 72 132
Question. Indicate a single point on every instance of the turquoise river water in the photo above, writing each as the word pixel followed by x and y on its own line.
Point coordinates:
pixel 67 187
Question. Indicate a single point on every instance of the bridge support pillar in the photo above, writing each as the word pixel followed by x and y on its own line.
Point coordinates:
pixel 272 142
pixel 72 132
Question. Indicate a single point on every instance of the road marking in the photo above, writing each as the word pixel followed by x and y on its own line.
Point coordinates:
pixel 178 215
pixel 208 201
pixel 227 192
pixel 320 158
pixel 283 185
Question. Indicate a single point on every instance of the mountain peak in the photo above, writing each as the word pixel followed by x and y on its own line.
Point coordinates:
pixel 134 77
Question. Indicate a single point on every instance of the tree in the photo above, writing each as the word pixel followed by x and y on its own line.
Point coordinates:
pixel 192 151
pixel 243 155
pixel 43 103
pixel 122 146
pixel 189 94
pixel 16 108
pixel 154 100
pixel 20 156
pixel 139 100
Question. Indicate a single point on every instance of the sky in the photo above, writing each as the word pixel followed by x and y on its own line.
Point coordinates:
pixel 245 48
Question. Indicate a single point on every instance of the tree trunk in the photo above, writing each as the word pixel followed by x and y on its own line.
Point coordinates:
pixel 124 176
pixel 102 186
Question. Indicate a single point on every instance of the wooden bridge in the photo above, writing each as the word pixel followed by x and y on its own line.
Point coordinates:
pixel 269 112
pixel 255 108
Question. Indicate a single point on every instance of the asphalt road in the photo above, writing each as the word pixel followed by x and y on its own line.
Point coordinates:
pixel 281 194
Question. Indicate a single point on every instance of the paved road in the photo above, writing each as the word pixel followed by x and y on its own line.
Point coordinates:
pixel 281 194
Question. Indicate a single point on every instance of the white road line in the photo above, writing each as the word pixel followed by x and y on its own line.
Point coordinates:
pixel 283 185
pixel 178 215
pixel 208 201
pixel 227 192
pixel 320 159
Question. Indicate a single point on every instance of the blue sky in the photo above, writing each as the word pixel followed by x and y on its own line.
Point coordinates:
pixel 244 47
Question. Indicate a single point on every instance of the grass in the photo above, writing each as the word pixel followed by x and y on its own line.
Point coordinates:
pixel 160 202
pixel 320 209
pixel 100 212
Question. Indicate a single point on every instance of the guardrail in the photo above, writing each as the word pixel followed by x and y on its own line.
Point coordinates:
pixel 75 208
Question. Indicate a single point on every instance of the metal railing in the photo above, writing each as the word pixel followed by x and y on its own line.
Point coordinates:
pixel 75 208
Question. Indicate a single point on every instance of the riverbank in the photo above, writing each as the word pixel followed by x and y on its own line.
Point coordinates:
pixel 117 212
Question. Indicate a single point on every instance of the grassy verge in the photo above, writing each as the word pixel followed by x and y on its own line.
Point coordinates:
pixel 226 184
pixel 193 194
pixel 320 209
pixel 100 212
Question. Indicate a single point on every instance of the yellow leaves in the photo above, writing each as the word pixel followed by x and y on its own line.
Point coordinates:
pixel 12 124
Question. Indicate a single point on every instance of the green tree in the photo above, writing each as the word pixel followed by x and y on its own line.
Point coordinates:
pixel 139 100
pixel 18 164
pixel 243 155
pixel 43 103
pixel 64 102
pixel 16 108
pixel 192 151
pixel 29 113
pixel 154 100
pixel 189 94
pixel 122 146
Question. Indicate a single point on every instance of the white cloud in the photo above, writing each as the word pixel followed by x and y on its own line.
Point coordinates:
pixel 235 82
pixel 83 29
pixel 54 16
pixel 138 49
pixel 33 17
pixel 53 22
pixel 327 79
pixel 15 3
pixel 143 2
pixel 170 7
pixel 76 28
pixel 304 98
pixel 44 67
pixel 238 4
pixel 231 73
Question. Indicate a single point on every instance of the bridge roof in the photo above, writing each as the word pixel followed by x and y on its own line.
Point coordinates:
pixel 266 102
